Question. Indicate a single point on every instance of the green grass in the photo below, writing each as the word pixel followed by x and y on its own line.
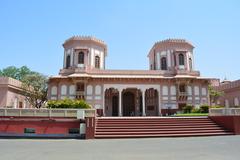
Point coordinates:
pixel 190 114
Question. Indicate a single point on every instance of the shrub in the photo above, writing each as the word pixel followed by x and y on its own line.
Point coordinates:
pixel 196 110
pixel 67 103
pixel 217 106
pixel 187 109
pixel 204 108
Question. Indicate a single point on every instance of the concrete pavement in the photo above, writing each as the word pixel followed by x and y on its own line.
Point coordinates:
pixel 192 148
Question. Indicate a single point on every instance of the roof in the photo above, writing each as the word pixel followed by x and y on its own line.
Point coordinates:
pixel 171 41
pixel 85 38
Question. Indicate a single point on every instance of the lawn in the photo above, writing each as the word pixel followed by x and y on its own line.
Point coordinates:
pixel 190 114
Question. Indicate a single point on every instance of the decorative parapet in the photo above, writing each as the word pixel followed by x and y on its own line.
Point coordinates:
pixel 170 40
pixel 86 38
pixel 228 85
pixel 10 81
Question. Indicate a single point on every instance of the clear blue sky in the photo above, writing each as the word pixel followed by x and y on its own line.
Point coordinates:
pixel 32 32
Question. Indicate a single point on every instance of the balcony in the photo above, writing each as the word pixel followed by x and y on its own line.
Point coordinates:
pixel 185 72
pixel 80 95
pixel 71 70
pixel 182 97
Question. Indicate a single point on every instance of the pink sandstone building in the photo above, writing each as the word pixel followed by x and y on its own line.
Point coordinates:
pixel 11 94
pixel 231 93
pixel 170 83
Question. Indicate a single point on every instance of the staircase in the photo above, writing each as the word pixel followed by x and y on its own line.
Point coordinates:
pixel 143 127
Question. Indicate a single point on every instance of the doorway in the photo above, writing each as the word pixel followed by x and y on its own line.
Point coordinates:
pixel 128 104
pixel 115 106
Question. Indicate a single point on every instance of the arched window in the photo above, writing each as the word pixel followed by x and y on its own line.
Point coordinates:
pixel 97 62
pixel 63 90
pixel 190 63
pixel 54 91
pixel 80 58
pixel 163 63
pixel 181 59
pixel 236 101
pixel 68 61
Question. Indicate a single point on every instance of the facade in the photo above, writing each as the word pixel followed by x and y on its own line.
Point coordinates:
pixel 231 93
pixel 169 84
pixel 11 94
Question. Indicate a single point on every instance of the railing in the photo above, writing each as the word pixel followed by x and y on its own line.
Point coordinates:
pixel 74 113
pixel 182 94
pixel 224 111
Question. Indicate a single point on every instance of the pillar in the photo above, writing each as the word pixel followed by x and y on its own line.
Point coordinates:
pixel 143 102
pixel 159 103
pixel 120 103
pixel 103 99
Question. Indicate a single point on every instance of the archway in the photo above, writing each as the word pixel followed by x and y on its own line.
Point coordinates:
pixel 152 104
pixel 128 104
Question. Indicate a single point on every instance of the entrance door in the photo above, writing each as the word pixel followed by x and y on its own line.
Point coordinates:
pixel 115 106
pixel 128 104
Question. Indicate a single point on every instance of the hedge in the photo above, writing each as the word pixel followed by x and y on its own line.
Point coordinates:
pixel 68 103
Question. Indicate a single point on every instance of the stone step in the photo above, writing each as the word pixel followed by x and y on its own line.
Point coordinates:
pixel 162 132
pixel 155 129
pixel 155 126
pixel 149 124
pixel 163 135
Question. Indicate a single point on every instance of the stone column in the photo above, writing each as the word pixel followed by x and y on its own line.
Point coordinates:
pixel 120 103
pixel 143 102
pixel 159 102
pixel 103 99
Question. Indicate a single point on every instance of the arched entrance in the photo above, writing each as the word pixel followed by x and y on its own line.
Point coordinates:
pixel 128 104
pixel 115 105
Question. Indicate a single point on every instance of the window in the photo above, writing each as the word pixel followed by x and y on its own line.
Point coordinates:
pixel 204 91
pixel 63 90
pixel 236 101
pixel 173 90
pixel 80 86
pixel 68 61
pixel 81 58
pixel 181 59
pixel 89 90
pixel 72 90
pixel 196 90
pixel 182 88
pixel 97 62
pixel 163 63
pixel 98 90
pixel 190 63
pixel 54 91
pixel 165 90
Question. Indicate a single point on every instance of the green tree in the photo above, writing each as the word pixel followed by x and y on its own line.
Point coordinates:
pixel 16 73
pixel 214 94
pixel 35 89
pixel 10 71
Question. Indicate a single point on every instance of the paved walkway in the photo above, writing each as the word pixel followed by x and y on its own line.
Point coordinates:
pixel 193 148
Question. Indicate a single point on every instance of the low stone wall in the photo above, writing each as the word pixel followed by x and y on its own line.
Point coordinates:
pixel 17 125
pixel 48 122
pixel 231 123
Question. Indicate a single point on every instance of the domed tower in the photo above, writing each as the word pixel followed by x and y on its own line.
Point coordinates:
pixel 83 53
pixel 172 55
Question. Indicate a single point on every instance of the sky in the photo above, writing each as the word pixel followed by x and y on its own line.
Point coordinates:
pixel 32 32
